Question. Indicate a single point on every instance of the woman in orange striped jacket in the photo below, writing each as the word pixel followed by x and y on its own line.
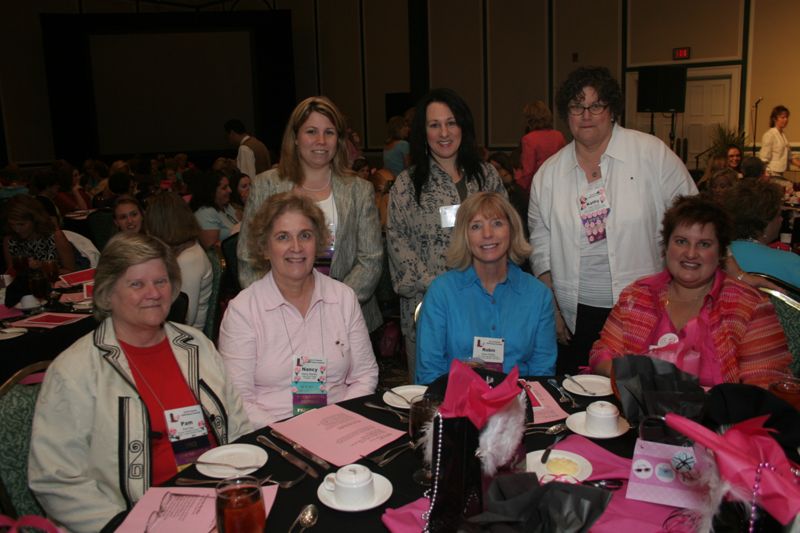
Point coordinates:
pixel 693 314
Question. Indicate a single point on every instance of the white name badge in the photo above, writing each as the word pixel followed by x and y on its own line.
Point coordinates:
pixel 447 215
pixel 185 423
pixel 188 434
pixel 490 350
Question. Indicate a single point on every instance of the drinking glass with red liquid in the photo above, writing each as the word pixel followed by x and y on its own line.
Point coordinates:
pixel 787 388
pixel 240 506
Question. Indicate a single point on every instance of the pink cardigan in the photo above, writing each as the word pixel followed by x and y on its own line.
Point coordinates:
pixel 746 333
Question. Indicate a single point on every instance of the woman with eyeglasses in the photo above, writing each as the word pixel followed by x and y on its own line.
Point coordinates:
pixel 595 210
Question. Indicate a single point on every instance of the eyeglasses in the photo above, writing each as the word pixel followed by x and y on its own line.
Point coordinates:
pixel 169 501
pixel 578 109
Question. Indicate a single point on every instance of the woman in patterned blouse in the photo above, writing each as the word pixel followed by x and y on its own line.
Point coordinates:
pixel 446 169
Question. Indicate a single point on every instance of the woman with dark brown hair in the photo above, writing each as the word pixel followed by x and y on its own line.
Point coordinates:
pixel 34 238
pixel 693 314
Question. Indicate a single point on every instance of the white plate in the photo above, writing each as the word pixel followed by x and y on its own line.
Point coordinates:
pixel 12 333
pixel 576 423
pixel 599 385
pixel 233 454
pixel 29 307
pixel 409 392
pixel 534 464
pixel 383 491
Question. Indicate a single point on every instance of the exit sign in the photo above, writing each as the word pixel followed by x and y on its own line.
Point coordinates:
pixel 684 52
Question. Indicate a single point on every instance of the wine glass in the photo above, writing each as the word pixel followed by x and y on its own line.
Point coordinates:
pixel 240 506
pixel 421 411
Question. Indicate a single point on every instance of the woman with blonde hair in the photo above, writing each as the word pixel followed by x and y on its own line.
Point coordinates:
pixel 540 141
pixel 314 164
pixel 486 307
pixel 170 219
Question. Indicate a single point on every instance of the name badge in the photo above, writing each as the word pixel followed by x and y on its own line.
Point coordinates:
pixel 187 433
pixel 490 350
pixel 309 384
pixel 447 215
pixel 594 210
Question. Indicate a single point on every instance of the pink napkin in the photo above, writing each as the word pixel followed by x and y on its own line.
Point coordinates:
pixel 408 518
pixel 9 312
pixel 621 514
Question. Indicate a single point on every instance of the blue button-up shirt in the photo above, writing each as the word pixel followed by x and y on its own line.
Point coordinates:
pixel 457 309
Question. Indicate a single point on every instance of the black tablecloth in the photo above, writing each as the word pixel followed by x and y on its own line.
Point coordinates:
pixel 289 502
pixel 40 345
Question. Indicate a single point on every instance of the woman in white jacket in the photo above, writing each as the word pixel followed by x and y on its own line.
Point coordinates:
pixel 101 432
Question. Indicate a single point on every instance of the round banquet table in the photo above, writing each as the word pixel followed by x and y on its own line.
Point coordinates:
pixel 40 344
pixel 289 502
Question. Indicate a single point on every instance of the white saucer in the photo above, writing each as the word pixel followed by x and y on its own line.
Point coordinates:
pixel 84 305
pixel 576 423
pixel 409 392
pixel 599 385
pixel 383 491
pixel 534 464
pixel 12 333
pixel 233 454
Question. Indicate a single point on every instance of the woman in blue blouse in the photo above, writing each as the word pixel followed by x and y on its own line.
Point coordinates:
pixel 486 307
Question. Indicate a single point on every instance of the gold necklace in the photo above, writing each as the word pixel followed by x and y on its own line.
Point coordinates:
pixel 686 300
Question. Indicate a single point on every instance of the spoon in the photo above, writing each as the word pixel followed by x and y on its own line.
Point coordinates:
pixel 552 430
pixel 307 518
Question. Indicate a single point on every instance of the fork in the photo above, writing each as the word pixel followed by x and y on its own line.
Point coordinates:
pixel 188 482
pixel 565 396
pixel 381 456
pixel 403 418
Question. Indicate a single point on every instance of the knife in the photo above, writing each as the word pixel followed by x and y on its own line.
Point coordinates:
pixel 546 454
pixel 302 451
pixel 296 461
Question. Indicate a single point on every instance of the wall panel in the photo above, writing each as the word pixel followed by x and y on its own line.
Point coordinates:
pixel 340 56
pixel 386 61
pixel 456 52
pixel 516 67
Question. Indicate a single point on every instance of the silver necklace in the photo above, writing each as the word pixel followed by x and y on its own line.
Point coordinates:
pixel 320 189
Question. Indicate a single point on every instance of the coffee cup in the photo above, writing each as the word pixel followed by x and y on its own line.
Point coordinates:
pixel 351 485
pixel 602 418
pixel 29 301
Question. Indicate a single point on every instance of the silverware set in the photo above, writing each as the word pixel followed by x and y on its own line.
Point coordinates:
pixel 565 396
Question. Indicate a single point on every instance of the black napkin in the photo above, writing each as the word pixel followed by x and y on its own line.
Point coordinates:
pixel 651 386
pixel 516 502
pixel 730 403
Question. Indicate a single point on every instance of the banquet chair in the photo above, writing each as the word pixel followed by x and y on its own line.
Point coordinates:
pixel 101 226
pixel 179 309
pixel 231 279
pixel 17 404
pixel 218 268
pixel 787 307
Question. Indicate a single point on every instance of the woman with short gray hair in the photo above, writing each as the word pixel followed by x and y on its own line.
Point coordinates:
pixel 110 417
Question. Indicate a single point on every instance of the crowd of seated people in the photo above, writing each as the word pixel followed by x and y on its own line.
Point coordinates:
pixel 614 269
